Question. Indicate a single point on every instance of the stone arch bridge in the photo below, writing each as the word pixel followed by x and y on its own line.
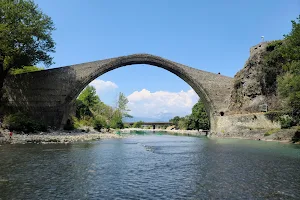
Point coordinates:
pixel 49 95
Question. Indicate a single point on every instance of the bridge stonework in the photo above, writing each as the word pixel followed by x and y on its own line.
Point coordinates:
pixel 49 95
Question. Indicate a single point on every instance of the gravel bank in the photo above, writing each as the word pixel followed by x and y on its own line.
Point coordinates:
pixel 55 137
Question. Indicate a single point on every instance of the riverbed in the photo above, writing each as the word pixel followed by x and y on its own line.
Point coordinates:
pixel 151 166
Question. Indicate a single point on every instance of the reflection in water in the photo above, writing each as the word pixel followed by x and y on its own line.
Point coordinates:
pixel 151 166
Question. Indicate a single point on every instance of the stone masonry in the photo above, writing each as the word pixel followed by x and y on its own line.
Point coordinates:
pixel 49 95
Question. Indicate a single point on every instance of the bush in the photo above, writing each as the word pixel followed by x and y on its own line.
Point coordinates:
pixel 286 121
pixel 99 123
pixel 182 124
pixel 126 126
pixel 116 123
pixel 21 122
pixel 274 44
pixel 82 122
pixel 137 124
pixel 276 115
pixel 270 132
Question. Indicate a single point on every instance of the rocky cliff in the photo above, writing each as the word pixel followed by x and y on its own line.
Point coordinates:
pixel 248 92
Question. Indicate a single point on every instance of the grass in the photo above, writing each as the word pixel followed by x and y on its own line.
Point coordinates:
pixel 271 131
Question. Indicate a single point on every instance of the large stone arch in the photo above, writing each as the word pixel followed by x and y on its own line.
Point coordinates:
pixel 58 88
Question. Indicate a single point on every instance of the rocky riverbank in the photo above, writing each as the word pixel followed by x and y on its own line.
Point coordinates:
pixel 280 135
pixel 56 136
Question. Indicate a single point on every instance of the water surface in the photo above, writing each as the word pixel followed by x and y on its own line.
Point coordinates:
pixel 151 166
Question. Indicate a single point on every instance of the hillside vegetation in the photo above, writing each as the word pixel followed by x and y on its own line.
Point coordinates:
pixel 195 121
pixel 271 76
pixel 281 72
pixel 91 111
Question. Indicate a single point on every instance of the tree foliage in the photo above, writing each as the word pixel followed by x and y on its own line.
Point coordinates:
pixel 122 105
pixel 199 117
pixel 197 120
pixel 25 69
pixel 116 120
pixel 137 124
pixel 21 122
pixel 282 69
pixel 25 36
pixel 91 111
pixel 89 97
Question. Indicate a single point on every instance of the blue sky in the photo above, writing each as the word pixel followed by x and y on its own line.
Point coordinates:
pixel 209 35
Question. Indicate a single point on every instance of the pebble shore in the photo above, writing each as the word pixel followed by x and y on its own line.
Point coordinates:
pixel 55 137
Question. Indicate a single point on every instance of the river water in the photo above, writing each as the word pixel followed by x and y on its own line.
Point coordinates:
pixel 151 166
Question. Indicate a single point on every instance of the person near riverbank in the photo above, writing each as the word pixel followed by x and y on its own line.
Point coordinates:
pixel 10 135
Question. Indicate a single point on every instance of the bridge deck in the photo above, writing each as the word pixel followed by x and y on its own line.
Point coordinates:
pixel 151 123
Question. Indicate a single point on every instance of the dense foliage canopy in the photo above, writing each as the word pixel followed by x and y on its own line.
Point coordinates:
pixel 91 111
pixel 25 36
pixel 197 120
pixel 282 70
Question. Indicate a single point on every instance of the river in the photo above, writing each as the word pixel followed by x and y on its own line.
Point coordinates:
pixel 151 166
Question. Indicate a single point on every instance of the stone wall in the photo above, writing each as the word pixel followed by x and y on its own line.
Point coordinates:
pixel 240 123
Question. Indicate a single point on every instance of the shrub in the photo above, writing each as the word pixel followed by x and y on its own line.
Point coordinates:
pixel 274 44
pixel 286 121
pixel 21 122
pixel 126 126
pixel 270 132
pixel 116 123
pixel 276 115
pixel 137 124
pixel 99 122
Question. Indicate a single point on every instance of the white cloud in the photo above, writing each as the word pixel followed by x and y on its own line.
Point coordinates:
pixel 103 86
pixel 161 103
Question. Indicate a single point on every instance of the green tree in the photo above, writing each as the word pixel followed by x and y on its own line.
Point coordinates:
pixel 122 105
pixel 289 82
pixel 116 120
pixel 89 97
pixel 183 123
pixel 197 120
pixel 175 120
pixel 137 124
pixel 199 117
pixel 25 36
pixel 82 110
pixel 99 122
pixel 281 71
pixel 103 110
